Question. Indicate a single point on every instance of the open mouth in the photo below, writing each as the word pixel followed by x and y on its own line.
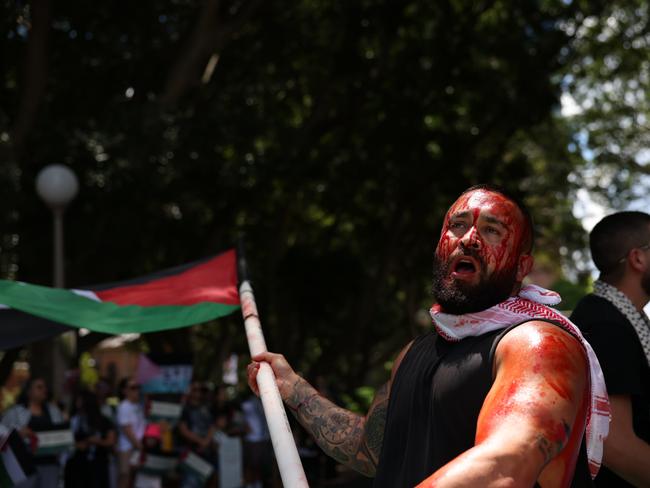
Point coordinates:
pixel 464 266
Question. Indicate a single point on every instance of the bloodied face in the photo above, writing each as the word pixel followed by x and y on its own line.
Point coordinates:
pixel 482 253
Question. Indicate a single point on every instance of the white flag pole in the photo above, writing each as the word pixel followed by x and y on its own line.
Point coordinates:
pixel 286 453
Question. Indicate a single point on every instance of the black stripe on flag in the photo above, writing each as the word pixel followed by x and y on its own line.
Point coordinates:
pixel 20 328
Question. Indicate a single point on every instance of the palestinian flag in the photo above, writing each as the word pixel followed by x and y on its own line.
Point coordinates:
pixel 173 298
pixel 164 411
pixel 16 462
pixel 53 441
pixel 157 463
pixel 197 465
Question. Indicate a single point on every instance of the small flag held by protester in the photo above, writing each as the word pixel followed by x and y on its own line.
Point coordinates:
pixel 53 441
pixel 157 464
pixel 16 462
pixel 197 465
pixel 168 411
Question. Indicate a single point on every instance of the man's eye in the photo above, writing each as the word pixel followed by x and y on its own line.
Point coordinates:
pixel 493 230
pixel 457 225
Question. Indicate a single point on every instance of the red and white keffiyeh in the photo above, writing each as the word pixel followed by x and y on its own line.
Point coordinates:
pixel 533 303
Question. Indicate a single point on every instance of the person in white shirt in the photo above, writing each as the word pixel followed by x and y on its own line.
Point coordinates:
pixel 131 424
pixel 258 451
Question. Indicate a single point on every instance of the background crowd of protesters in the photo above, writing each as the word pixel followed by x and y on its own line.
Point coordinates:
pixel 111 430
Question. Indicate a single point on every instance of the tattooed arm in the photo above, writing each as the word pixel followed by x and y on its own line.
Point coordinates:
pixel 351 439
pixel 532 420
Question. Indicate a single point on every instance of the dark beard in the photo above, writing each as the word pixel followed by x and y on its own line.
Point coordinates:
pixel 458 298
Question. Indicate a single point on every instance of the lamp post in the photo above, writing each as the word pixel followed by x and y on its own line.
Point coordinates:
pixel 57 186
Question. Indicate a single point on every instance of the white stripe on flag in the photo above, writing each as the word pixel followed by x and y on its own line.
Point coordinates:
pixel 87 293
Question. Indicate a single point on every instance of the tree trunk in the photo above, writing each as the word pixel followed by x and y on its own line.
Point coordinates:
pixel 34 73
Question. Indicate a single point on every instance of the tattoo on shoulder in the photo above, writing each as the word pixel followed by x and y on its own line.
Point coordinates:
pixel 551 447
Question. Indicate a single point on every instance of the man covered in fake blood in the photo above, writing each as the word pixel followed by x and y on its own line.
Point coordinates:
pixel 502 391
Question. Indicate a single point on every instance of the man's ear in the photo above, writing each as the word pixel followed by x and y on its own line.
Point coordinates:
pixel 638 260
pixel 524 266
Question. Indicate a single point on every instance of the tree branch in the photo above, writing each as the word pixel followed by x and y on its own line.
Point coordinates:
pixel 210 36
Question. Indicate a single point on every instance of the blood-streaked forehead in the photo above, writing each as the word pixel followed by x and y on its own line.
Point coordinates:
pixel 487 202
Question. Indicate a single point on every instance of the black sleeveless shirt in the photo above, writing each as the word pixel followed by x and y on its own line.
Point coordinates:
pixel 435 400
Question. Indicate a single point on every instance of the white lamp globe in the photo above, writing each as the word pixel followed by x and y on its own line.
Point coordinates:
pixel 57 185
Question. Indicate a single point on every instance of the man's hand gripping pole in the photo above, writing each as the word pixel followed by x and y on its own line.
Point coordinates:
pixel 290 467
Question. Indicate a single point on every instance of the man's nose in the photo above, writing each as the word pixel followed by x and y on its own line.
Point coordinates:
pixel 471 239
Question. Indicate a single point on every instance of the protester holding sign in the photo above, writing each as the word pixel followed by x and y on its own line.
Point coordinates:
pixel 94 439
pixel 33 414
pixel 196 428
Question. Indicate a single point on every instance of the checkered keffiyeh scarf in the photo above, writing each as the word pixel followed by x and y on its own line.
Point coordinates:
pixel 639 320
pixel 531 304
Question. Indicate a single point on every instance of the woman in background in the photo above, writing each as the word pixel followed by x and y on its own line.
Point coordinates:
pixel 32 413
pixel 94 438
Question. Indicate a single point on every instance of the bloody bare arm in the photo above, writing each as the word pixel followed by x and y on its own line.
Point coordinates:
pixel 529 414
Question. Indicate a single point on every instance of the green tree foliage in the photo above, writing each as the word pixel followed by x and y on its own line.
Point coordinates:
pixel 333 134
pixel 610 82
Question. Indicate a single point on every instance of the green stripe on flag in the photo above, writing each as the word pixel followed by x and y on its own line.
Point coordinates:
pixel 68 308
